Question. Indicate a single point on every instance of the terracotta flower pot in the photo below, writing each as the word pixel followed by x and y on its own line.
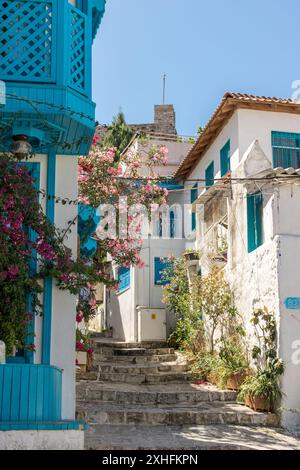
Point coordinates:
pixel 213 378
pixel 258 404
pixel 236 380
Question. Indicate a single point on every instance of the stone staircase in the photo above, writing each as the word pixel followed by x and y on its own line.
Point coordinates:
pixel 144 397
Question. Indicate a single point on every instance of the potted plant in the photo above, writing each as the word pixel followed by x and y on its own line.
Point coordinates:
pixel 233 366
pixel 191 255
pixel 261 391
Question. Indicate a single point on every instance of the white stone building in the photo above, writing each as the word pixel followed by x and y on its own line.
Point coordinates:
pixel 136 312
pixel 249 223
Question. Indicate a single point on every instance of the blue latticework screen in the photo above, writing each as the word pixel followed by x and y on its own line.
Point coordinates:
pixel 27 40
pixel 77 49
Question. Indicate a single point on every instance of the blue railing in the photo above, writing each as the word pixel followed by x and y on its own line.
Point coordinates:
pixel 30 393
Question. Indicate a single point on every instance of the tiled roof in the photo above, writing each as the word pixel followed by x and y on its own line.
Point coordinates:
pixel 229 103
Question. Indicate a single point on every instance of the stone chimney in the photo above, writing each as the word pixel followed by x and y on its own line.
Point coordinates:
pixel 165 119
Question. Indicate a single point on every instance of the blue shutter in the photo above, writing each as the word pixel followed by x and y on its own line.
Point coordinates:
pixel 172 224
pixel 225 158
pixel 254 220
pixel 123 279
pixel 194 196
pixel 210 175
pixel 286 149
pixel 160 265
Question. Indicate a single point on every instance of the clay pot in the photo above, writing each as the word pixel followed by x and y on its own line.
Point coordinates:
pixel 236 380
pixel 213 378
pixel 258 404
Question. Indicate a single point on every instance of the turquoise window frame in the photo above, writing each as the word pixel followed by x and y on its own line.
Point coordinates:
pixel 225 159
pixel 286 149
pixel 210 175
pixel 124 275
pixel 254 220
pixel 194 197
pixel 160 264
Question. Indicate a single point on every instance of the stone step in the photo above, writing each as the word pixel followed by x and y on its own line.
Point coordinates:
pixel 108 343
pixel 136 359
pixel 151 394
pixel 132 352
pixel 202 413
pixel 137 369
pixel 161 377
pixel 209 437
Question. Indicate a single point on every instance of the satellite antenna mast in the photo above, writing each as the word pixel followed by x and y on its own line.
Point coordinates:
pixel 164 87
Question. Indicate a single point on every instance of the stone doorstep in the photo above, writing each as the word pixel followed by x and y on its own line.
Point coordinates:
pixel 208 437
pixel 98 392
pixel 201 414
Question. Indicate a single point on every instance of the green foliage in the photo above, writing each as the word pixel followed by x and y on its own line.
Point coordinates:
pixel 119 135
pixel 264 383
pixel 205 365
pixel 214 301
pixel 177 298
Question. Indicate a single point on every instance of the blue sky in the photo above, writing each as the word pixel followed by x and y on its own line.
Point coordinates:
pixel 206 47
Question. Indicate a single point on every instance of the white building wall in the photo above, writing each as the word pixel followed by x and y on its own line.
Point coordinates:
pixel 63 303
pixel 270 274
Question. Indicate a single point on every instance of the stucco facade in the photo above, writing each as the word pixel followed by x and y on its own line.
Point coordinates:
pixel 268 275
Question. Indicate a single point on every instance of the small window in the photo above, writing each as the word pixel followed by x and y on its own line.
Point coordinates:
pixel 254 220
pixel 286 150
pixel 172 224
pixel 123 279
pixel 225 159
pixel 210 175
pixel 160 266
pixel 194 197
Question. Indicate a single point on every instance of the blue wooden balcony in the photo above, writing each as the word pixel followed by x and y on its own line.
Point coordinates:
pixel 45 61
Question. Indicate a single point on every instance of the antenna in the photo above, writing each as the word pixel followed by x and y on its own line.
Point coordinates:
pixel 164 87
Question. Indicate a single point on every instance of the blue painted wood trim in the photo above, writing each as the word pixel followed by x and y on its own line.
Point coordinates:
pixel 124 275
pixel 35 170
pixel 28 356
pixel 30 393
pixel 43 426
pixel 48 284
pixel 160 265
pixel 254 220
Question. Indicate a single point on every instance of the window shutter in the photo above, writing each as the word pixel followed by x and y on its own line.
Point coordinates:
pixel 254 220
pixel 194 196
pixel 210 175
pixel 123 279
pixel 159 267
pixel 225 159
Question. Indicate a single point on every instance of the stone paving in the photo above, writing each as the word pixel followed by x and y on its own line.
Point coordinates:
pixel 129 408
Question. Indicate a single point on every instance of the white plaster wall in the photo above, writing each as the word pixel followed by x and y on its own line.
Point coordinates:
pixel 64 304
pixel 42 440
pixel 258 125
pixel 121 311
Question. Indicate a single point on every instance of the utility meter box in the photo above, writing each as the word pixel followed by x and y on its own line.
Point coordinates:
pixel 152 324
